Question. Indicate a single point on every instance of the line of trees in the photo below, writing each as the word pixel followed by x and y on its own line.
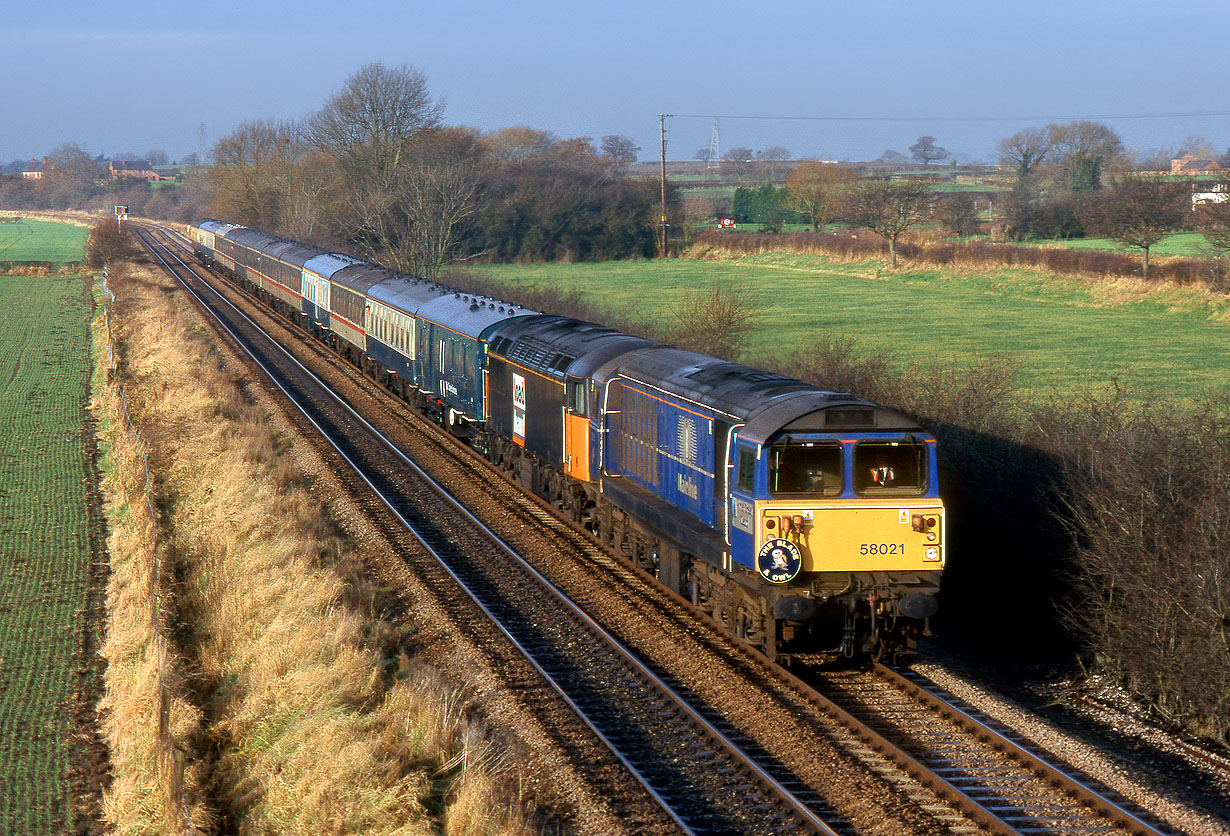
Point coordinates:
pixel 74 179
pixel 376 171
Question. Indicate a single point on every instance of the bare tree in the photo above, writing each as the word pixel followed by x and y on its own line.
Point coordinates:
pixel 1084 151
pixel 737 164
pixel 370 123
pixel 620 150
pixel 107 243
pixel 71 171
pixel 373 128
pixel 695 213
pixel 441 193
pixel 518 144
pixel 890 207
pixel 769 162
pixel 1025 151
pixel 958 213
pixel 1141 210
pixel 1197 146
pixel 925 150
pixel 818 189
pixel 717 320
pixel 1213 217
pixel 244 179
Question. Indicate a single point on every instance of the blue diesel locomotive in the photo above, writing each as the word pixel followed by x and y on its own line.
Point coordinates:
pixel 802 520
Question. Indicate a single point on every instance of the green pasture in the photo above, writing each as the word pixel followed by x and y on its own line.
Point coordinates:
pixel 44 545
pixel 709 192
pixel 30 240
pixel 1067 332
pixel 1184 244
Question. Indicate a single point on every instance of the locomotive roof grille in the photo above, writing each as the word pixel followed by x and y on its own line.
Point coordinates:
pixel 850 416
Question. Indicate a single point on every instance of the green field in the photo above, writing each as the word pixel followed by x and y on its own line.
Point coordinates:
pixel 1067 332
pixel 1186 244
pixel 44 543
pixel 30 240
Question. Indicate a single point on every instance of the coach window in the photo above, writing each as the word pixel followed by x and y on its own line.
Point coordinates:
pixel 890 468
pixel 805 468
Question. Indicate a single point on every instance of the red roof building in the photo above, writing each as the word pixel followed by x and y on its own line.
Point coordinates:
pixel 1188 164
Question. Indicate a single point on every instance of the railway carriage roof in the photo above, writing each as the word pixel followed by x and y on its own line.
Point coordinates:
pixel 326 264
pixel 361 275
pixel 469 314
pixel 558 345
pixel 406 293
pixel 292 252
pixel 218 227
pixel 259 241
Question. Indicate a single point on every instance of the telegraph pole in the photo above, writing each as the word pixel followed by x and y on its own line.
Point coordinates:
pixel 662 133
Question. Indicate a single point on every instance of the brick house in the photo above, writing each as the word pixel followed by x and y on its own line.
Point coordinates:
pixel 139 169
pixel 1188 164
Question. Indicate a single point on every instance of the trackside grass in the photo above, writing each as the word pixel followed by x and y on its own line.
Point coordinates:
pixel 297 719
pixel 1067 331
pixel 44 544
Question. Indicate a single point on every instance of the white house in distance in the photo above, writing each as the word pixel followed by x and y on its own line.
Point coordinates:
pixel 1209 193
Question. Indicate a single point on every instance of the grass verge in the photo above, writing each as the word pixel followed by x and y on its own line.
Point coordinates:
pixel 305 726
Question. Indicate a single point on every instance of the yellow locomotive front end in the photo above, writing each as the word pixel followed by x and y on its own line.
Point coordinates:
pixel 851 534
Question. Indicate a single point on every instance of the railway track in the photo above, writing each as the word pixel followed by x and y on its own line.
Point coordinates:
pixel 698 777
pixel 943 776
pixel 999 779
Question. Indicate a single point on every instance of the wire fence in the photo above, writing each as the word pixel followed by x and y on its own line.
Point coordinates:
pixel 172 756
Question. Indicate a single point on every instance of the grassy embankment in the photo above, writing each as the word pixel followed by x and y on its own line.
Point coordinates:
pixel 293 718
pixel 1067 331
pixel 45 555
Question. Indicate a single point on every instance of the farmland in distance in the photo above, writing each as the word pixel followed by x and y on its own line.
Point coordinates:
pixel 26 239
pixel 1068 332
pixel 45 544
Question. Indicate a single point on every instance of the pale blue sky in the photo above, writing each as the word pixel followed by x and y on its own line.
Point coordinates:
pixel 117 77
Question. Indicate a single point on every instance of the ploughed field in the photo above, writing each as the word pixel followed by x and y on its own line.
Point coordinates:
pixel 44 542
pixel 1068 332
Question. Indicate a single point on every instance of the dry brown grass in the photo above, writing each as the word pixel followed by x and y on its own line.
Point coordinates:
pixel 310 734
pixel 139 799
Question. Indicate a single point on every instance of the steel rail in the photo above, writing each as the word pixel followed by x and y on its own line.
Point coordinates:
pixel 1077 789
pixel 916 769
pixel 772 785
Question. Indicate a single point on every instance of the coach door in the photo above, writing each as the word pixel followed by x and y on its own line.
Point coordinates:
pixel 576 428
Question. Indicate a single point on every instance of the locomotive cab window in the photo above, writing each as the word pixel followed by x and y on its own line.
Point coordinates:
pixel 577 404
pixel 890 468
pixel 747 471
pixel 805 468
